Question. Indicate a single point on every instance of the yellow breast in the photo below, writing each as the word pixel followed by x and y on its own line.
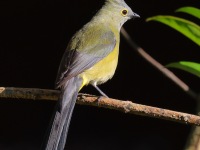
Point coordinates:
pixel 103 70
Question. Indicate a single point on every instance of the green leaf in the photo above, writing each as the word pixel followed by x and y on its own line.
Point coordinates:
pixel 191 67
pixel 187 28
pixel 190 10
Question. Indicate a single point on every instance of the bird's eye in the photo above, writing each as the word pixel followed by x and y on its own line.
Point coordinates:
pixel 124 12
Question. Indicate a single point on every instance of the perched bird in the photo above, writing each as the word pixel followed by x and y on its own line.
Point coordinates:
pixel 91 58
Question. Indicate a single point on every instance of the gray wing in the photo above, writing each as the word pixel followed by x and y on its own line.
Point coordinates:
pixel 81 57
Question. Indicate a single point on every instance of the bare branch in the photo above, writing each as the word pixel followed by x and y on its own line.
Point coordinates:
pixel 159 66
pixel 86 99
pixel 193 142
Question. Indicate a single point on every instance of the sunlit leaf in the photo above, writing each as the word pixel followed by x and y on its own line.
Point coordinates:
pixel 191 67
pixel 190 10
pixel 187 28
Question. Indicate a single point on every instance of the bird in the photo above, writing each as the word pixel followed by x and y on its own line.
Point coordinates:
pixel 91 57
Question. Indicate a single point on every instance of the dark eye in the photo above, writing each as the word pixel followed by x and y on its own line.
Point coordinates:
pixel 124 12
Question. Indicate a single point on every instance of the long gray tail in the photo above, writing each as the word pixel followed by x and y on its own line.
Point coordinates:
pixel 57 136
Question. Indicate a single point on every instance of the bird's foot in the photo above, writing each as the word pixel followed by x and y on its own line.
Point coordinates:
pixel 99 99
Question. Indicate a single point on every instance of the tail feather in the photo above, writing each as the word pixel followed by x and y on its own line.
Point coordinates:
pixel 63 137
pixel 62 116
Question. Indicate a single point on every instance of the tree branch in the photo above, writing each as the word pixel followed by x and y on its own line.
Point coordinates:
pixel 86 99
pixel 193 142
pixel 159 66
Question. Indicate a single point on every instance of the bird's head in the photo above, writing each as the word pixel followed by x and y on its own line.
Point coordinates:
pixel 118 11
pixel 121 8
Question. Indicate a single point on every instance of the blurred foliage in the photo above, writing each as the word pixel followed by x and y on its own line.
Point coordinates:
pixel 189 29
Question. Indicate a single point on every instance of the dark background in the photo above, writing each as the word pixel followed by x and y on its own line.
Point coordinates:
pixel 33 37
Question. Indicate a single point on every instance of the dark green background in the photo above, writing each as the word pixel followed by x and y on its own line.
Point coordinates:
pixel 33 37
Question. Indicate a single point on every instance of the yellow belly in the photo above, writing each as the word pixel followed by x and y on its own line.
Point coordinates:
pixel 103 70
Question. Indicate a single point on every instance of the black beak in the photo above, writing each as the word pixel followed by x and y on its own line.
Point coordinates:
pixel 134 15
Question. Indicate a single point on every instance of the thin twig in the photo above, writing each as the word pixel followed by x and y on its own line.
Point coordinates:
pixel 159 66
pixel 85 99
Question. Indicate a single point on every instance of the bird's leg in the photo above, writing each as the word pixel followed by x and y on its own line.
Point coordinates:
pixel 100 91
